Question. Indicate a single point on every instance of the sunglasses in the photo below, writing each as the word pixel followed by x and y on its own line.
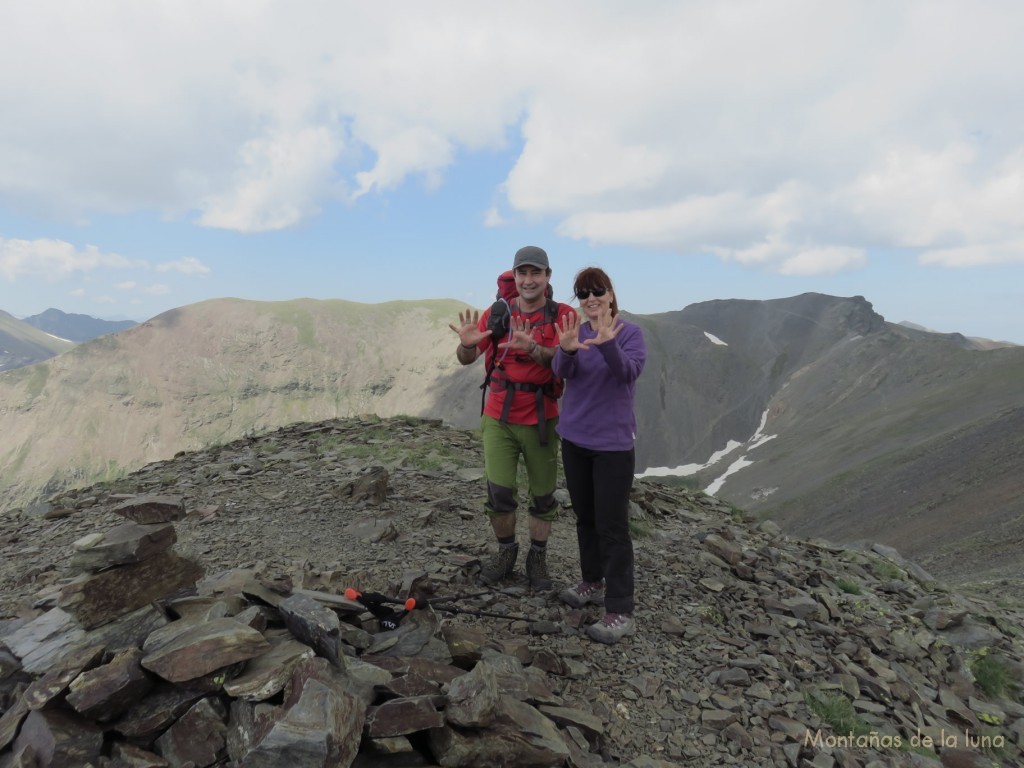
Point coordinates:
pixel 597 292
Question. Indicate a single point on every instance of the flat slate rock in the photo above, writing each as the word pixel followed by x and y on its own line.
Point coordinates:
pixel 152 509
pixel 319 724
pixel 106 691
pixel 42 642
pixel 151 716
pixel 205 648
pixel 123 544
pixel 267 674
pixel 111 594
pixel 55 682
pixel 60 739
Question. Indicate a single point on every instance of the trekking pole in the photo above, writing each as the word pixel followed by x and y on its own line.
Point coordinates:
pixel 475 612
pixel 451 598
pixel 376 598
pixel 380 606
pixel 410 602
pixel 375 602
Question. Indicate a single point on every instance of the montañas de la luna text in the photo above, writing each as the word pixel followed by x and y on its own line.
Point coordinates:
pixel 875 740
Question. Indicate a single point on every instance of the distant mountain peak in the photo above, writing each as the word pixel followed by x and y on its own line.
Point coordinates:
pixel 970 342
pixel 22 344
pixel 75 327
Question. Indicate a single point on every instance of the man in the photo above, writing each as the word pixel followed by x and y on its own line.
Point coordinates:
pixel 520 413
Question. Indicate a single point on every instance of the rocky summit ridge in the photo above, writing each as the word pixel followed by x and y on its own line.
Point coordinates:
pixel 194 613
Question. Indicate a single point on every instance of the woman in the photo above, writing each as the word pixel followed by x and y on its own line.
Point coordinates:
pixel 600 360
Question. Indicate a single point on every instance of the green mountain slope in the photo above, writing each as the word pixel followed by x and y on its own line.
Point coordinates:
pixel 212 372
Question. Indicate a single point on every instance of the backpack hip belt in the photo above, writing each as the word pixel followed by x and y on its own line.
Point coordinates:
pixel 540 391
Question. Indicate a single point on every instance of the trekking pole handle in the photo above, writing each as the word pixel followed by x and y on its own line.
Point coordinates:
pixel 375 598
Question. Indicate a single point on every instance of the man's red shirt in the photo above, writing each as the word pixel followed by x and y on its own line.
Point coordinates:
pixel 520 367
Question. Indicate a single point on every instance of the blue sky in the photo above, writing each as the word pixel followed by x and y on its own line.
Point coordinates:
pixel 155 155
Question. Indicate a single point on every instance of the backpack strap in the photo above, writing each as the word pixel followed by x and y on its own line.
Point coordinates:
pixel 548 389
pixel 538 390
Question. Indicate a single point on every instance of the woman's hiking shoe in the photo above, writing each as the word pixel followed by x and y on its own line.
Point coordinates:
pixel 537 569
pixel 612 628
pixel 500 565
pixel 584 593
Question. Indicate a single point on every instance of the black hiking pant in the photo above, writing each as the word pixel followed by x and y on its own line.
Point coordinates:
pixel 599 483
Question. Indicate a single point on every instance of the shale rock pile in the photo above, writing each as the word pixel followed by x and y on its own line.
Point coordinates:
pixel 194 613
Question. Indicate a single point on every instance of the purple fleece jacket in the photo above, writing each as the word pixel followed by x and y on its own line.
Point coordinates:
pixel 600 385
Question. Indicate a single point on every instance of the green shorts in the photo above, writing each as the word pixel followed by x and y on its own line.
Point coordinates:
pixel 503 445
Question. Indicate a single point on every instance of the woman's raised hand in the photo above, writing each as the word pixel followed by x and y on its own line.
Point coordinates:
pixel 607 327
pixel 569 334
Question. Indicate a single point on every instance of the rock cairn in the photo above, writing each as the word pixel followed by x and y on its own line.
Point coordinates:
pixel 194 614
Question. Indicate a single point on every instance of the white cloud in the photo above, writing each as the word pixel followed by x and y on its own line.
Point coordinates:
pixel 945 202
pixel 127 285
pixel 189 265
pixel 791 259
pixel 279 183
pixel 157 289
pixel 982 254
pixel 53 259
pixel 790 136
pixel 417 149
pixel 493 218
pixel 823 261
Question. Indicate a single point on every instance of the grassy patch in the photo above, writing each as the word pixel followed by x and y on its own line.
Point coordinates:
pixel 298 315
pixel 992 674
pixel 992 741
pixel 885 570
pixel 112 472
pixel 676 481
pixel 640 529
pixel 906 746
pixel 849 587
pixel 836 710
pixel 23 452
pixel 37 380
pixel 709 614
pixel 437 459
pixel 379 444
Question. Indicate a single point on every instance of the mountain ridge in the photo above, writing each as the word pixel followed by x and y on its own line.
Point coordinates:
pixel 22 344
pixel 840 388
pixel 75 327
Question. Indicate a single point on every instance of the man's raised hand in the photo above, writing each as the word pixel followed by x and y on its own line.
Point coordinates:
pixel 469 333
pixel 521 338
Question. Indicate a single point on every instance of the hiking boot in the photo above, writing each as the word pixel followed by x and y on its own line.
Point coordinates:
pixel 584 593
pixel 612 628
pixel 537 569
pixel 501 565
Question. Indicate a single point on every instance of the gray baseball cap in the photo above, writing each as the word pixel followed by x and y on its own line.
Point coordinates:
pixel 531 255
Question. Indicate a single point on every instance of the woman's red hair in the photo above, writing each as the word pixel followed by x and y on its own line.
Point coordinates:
pixel 589 278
